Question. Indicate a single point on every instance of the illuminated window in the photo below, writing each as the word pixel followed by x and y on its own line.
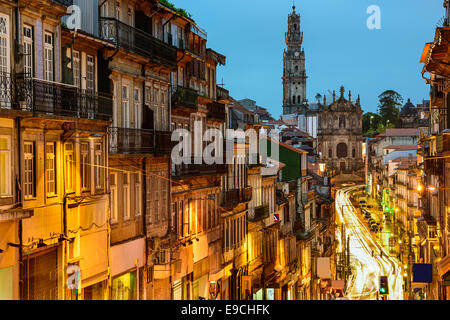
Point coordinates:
pixel 49 57
pixel 50 168
pixel 113 197
pixel 29 170
pixel 98 166
pixel 126 196
pixel 5 166
pixel 70 167
pixel 28 50
pixel 85 168
pixel 137 193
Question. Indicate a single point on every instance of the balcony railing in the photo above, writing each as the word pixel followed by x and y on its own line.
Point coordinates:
pixel 261 213
pixel 231 198
pixel 21 92
pixel 193 169
pixel 138 141
pixel 138 41
pixel 185 97
pixel 216 111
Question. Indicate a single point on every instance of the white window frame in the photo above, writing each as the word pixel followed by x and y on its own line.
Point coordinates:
pixel 98 166
pixel 50 172
pixel 49 57
pixel 85 163
pixel 77 68
pixel 125 107
pixel 29 180
pixel 7 180
pixel 28 50
pixel 4 45
pixel 69 160
pixel 137 108
pixel 113 197
pixel 90 73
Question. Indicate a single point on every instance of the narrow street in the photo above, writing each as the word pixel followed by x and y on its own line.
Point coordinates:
pixel 368 259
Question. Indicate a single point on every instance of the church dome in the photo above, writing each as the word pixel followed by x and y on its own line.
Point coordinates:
pixel 409 109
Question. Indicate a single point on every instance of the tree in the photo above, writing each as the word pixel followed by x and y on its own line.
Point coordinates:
pixel 389 108
pixel 371 121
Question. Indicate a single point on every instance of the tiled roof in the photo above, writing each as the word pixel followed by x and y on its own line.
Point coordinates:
pixel 397 132
pixel 402 147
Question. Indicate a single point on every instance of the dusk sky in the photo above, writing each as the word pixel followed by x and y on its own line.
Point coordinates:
pixel 339 48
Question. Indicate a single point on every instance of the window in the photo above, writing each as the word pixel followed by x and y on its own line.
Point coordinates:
pixel 29 170
pixel 342 122
pixel 48 57
pixel 76 69
pixel 137 108
pixel 28 50
pixel 293 99
pixel 98 168
pixel 330 153
pixel 126 196
pixel 4 43
pixel 70 167
pixel 85 169
pixel 137 193
pixel 354 153
pixel 299 99
pixel 5 166
pixel 90 73
pixel 113 199
pixel 50 168
pixel 125 107
pixel 342 150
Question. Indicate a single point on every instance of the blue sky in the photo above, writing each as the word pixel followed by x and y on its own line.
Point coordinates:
pixel 339 48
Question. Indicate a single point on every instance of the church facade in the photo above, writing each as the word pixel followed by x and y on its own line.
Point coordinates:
pixel 294 71
pixel 340 135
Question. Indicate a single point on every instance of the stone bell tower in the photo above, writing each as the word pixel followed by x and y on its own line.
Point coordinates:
pixel 294 72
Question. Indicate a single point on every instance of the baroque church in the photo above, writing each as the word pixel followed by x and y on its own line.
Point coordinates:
pixel 337 127
pixel 340 136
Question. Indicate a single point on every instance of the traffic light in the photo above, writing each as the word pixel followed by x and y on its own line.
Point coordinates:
pixel 384 288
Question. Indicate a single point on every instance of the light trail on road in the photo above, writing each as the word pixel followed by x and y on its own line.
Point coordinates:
pixel 363 284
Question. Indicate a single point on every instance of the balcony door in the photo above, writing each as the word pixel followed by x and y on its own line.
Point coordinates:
pixel 6 88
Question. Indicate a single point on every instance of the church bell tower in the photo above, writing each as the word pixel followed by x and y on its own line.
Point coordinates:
pixel 294 72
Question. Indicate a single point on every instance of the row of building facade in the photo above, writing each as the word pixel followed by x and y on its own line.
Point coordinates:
pixel 92 205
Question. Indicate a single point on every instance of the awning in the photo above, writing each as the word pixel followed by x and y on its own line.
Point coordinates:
pixel 444 266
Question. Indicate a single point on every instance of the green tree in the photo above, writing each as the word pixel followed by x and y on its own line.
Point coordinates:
pixel 371 121
pixel 389 108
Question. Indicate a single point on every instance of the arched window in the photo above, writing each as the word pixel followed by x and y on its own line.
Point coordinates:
pixel 342 150
pixel 354 153
pixel 296 68
pixel 330 153
pixel 293 99
pixel 342 122
pixel 299 99
pixel 295 26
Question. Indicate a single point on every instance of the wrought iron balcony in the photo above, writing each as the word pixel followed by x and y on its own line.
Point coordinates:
pixel 261 213
pixel 231 198
pixel 216 111
pixel 138 41
pixel 138 141
pixel 21 92
pixel 193 169
pixel 222 94
pixel 185 98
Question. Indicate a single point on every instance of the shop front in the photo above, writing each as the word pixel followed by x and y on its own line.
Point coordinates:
pixel 127 263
